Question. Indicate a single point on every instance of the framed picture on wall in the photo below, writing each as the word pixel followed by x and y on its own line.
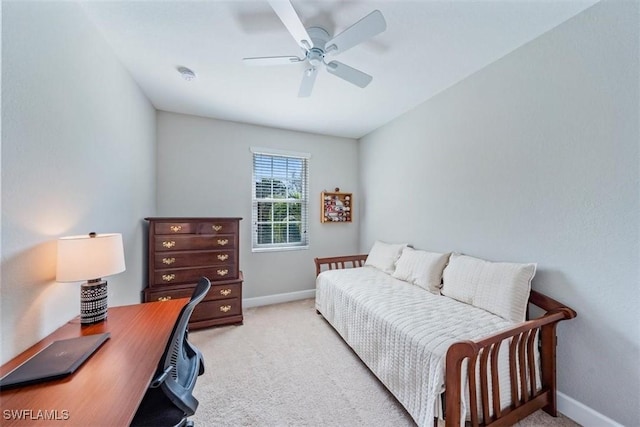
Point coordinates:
pixel 336 207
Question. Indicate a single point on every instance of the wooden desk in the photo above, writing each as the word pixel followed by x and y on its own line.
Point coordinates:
pixel 108 388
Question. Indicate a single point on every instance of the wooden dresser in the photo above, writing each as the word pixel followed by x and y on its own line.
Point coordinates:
pixel 181 250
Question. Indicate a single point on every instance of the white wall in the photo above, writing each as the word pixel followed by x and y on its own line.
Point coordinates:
pixel 78 155
pixel 204 169
pixel 535 158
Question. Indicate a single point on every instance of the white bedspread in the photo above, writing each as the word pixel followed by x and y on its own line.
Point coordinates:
pixel 401 331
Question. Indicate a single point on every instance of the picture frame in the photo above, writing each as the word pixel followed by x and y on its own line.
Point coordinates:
pixel 336 207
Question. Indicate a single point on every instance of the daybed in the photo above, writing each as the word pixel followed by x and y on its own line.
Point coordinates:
pixel 446 333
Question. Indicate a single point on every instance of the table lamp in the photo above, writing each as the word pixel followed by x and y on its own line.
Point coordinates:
pixel 90 257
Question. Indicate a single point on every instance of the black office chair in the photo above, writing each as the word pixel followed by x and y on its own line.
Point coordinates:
pixel 169 399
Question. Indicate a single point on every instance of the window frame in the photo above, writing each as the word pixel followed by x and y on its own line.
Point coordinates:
pixel 304 201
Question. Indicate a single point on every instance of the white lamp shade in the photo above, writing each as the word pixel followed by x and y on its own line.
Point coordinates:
pixel 88 258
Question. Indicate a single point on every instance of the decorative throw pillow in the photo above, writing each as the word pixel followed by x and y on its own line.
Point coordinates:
pixel 501 288
pixel 421 268
pixel 383 256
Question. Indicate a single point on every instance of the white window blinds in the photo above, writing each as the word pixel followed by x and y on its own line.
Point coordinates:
pixel 280 200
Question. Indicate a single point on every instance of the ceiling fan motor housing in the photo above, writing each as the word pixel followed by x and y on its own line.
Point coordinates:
pixel 319 37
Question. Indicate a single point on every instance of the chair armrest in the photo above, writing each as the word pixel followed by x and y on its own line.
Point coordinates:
pixel 162 377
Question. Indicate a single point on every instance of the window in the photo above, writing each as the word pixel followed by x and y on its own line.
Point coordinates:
pixel 280 200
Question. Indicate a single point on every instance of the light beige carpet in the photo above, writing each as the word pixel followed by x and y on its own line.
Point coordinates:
pixel 286 366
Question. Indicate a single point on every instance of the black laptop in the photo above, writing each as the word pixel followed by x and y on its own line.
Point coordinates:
pixel 57 360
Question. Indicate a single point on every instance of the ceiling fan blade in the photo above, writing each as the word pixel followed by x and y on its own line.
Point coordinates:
pixel 349 74
pixel 287 14
pixel 271 60
pixel 308 79
pixel 364 29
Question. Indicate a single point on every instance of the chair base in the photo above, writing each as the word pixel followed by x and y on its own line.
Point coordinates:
pixel 156 410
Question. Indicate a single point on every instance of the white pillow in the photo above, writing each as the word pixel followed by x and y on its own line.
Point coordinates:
pixel 421 268
pixel 501 288
pixel 383 256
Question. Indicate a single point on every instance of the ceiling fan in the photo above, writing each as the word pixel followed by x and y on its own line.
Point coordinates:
pixel 317 43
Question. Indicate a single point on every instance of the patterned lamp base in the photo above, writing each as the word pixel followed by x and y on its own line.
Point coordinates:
pixel 93 302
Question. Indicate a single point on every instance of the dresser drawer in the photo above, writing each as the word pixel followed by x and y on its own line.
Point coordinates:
pixel 214 309
pixel 193 259
pixel 186 242
pixel 206 310
pixel 174 227
pixel 228 291
pixel 232 290
pixel 191 275
pixel 217 227
pixel 167 294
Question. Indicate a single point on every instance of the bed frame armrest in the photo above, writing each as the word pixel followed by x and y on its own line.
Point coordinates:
pixel 550 305
pixel 483 355
pixel 339 262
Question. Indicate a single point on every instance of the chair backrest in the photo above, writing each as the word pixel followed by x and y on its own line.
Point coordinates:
pixel 181 359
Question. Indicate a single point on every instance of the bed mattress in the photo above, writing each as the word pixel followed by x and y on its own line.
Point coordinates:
pixel 402 332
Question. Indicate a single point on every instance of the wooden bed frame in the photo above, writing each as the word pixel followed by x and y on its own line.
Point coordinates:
pixel 524 396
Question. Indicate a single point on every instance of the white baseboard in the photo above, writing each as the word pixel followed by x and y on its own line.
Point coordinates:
pixel 582 414
pixel 278 298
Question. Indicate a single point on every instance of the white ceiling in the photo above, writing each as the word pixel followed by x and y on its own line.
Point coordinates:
pixel 427 47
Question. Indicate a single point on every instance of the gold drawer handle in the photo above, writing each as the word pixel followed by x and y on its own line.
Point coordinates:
pixel 223 257
pixel 225 308
pixel 168 277
pixel 176 228
pixel 168 261
pixel 168 244
pixel 223 242
pixel 222 272
pixel 216 227
pixel 225 292
pixel 164 298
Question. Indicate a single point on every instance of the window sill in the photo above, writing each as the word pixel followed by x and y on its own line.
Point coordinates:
pixel 281 249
